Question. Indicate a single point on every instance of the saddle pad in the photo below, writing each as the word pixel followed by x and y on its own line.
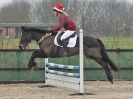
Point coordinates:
pixel 71 43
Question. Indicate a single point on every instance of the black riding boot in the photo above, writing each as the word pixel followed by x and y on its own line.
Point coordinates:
pixel 64 43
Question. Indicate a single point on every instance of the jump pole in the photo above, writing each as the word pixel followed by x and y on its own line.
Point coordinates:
pixel 81 91
pixel 81 62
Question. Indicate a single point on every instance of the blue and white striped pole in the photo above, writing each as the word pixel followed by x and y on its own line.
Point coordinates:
pixel 56 66
pixel 75 75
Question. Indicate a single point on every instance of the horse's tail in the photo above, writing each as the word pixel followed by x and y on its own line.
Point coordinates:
pixel 105 56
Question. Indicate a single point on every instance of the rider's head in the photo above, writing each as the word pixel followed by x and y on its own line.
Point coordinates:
pixel 59 9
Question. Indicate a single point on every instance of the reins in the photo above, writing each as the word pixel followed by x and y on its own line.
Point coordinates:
pixel 43 37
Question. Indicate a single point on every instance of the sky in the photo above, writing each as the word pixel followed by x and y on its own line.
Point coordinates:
pixel 4 2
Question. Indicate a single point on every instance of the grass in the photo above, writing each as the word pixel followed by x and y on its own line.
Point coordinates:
pixel 119 42
pixel 13 43
pixel 109 42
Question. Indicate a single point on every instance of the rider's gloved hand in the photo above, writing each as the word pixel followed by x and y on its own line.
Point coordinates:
pixel 54 33
pixel 51 31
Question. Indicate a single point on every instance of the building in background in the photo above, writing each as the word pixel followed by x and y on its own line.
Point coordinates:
pixel 8 32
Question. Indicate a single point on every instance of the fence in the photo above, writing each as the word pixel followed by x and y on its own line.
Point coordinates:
pixel 14 66
pixel 14 62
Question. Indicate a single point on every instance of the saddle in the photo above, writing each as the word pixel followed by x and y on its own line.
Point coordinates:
pixel 66 40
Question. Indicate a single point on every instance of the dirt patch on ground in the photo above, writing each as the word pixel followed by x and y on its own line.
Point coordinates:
pixel 94 89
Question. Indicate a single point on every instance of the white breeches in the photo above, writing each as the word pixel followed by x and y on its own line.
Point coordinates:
pixel 67 34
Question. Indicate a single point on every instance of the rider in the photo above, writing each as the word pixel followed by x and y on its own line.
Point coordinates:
pixel 64 22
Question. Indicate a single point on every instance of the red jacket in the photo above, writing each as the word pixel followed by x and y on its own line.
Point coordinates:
pixel 64 22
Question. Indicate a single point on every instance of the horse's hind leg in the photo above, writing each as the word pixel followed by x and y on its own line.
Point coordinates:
pixel 105 67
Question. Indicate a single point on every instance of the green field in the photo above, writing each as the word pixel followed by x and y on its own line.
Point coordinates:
pixel 13 43
pixel 119 42
pixel 109 42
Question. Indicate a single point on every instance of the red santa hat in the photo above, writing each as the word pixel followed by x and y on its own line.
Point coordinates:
pixel 59 8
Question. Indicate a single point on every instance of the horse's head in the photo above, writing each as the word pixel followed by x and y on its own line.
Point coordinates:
pixel 25 39
pixel 28 34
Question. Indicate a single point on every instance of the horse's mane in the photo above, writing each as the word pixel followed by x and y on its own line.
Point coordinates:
pixel 48 35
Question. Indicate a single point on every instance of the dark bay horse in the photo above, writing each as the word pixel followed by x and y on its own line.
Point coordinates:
pixel 93 48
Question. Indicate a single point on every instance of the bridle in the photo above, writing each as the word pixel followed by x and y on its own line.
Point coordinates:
pixel 23 45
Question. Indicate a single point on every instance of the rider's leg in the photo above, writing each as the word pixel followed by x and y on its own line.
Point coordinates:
pixel 66 34
pixel 64 43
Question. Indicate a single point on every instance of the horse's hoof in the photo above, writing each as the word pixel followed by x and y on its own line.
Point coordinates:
pixel 111 81
pixel 32 67
pixel 110 78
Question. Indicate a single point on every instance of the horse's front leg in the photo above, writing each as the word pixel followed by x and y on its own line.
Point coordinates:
pixel 36 54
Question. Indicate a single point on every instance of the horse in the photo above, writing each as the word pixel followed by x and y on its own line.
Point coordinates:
pixel 93 49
